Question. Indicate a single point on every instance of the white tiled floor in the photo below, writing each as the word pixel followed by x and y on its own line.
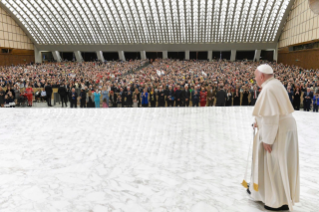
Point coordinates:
pixel 169 159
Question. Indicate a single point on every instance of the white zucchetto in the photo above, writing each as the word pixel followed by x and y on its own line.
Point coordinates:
pixel 266 69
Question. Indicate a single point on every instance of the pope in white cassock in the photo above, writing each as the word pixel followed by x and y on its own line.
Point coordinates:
pixel 275 166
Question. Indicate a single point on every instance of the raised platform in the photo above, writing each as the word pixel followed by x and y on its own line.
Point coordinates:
pixel 137 160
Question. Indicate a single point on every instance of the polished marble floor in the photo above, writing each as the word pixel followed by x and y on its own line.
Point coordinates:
pixel 138 160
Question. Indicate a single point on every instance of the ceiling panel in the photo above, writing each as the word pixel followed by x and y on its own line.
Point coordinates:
pixel 79 22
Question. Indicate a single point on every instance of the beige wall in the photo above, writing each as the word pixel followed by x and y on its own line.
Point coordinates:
pixel 302 25
pixel 11 35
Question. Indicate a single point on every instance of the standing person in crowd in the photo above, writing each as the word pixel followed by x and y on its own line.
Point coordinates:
pixel 113 99
pixel 316 102
pixel 119 100
pixel 122 98
pixel 245 96
pixel 186 96
pixel 211 96
pixel 29 94
pixel 135 101
pixel 152 97
pixel 128 95
pixel 90 102
pixel 2 95
pixel 97 97
pixel 16 89
pixel 161 97
pixel 145 98
pixel 9 89
pixel 253 95
pixel 229 98
pixel 73 98
pixel 290 94
pixel 221 97
pixel 195 97
pixel 105 95
pixel 170 95
pixel 307 98
pixel 48 90
pixel 83 97
pixel 178 96
pixel 63 94
pixel 297 98
pixel 203 97
pixel 138 97
pixel 237 97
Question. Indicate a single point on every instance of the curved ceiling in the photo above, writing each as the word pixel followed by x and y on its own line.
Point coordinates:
pixel 83 22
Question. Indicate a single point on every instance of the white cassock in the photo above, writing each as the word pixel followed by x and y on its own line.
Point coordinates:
pixel 275 175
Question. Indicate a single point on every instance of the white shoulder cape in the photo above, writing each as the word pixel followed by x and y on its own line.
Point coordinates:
pixel 273 100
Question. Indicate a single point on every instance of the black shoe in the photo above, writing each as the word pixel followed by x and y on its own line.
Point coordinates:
pixel 282 208
pixel 248 191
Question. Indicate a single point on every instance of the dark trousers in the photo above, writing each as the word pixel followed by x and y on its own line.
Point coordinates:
pixel 64 100
pixel 306 106
pixel 170 103
pixel 185 103
pixel 178 103
pixel 82 104
pixel 73 103
pixel 195 103
pixel 315 108
pixel 144 105
pixel 161 103
pixel 153 103
pixel 49 99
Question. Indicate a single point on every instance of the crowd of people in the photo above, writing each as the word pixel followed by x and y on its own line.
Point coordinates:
pixel 158 83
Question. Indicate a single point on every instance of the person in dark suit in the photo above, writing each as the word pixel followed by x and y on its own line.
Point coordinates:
pixel 186 96
pixel 129 100
pixel 253 95
pixel 63 94
pixel 161 97
pixel 307 99
pixel 236 97
pixel 297 93
pixel 245 96
pixel 178 96
pixel 195 97
pixel 113 99
pixel 170 97
pixel 221 97
pixel 73 98
pixel 48 90
pixel 83 98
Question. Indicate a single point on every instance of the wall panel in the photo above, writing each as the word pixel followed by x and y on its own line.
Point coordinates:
pixel 306 58
pixel 11 35
pixel 302 25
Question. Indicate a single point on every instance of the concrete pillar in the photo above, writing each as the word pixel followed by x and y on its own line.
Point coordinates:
pixel 210 55
pixel 100 56
pixel 78 56
pixel 165 55
pixel 143 55
pixel 121 55
pixel 257 55
pixel 233 55
pixel 187 55
pixel 56 56
pixel 37 55
pixel 276 53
